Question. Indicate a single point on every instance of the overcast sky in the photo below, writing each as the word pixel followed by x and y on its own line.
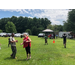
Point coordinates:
pixel 56 16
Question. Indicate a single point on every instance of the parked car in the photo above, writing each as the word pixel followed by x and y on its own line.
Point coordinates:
pixel 8 34
pixel 17 35
pixel 2 34
pixel 70 36
pixel 25 33
pixel 41 35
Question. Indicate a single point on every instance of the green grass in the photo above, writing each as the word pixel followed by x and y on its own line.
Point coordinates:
pixel 51 54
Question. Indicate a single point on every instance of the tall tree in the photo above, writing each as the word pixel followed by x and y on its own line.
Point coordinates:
pixel 24 23
pixel 69 25
pixel 10 27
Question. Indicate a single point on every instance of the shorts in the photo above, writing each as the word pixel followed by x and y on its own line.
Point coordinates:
pixel 64 42
pixel 28 50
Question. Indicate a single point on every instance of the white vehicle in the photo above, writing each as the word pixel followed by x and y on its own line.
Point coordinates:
pixel 17 35
pixel 67 33
pixel 41 35
pixel 2 34
pixel 25 33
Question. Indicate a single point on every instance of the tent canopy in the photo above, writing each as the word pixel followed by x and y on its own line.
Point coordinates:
pixel 47 30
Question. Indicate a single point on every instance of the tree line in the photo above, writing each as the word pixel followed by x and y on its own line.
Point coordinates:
pixel 35 25
pixel 24 24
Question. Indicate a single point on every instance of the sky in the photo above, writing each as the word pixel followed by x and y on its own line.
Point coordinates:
pixel 56 16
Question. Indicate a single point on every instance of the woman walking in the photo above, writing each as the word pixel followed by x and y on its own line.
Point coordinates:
pixel 27 44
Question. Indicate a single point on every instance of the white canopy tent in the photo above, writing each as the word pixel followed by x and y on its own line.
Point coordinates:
pixel 47 30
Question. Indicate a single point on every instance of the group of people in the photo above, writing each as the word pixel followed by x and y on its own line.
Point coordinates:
pixel 64 39
pixel 26 44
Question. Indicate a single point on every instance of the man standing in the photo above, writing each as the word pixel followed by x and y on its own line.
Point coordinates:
pixel 13 46
pixel 64 40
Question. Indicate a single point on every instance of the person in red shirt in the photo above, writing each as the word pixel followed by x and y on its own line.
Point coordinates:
pixel 27 44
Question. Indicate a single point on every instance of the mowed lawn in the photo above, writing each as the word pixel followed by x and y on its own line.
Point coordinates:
pixel 51 54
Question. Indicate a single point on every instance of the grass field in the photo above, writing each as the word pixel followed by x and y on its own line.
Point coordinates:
pixel 51 54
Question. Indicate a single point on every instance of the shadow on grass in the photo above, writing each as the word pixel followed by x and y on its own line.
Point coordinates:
pixel 22 60
pixel 8 58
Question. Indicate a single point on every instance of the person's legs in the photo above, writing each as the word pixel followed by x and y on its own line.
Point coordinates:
pixel 13 51
pixel 46 41
pixel 64 44
pixel 27 51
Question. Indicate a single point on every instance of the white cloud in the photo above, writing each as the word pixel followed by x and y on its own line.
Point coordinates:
pixel 56 16
pixel 30 17
pixel 21 11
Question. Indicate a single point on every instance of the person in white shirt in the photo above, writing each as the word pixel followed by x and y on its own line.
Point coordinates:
pixel 13 46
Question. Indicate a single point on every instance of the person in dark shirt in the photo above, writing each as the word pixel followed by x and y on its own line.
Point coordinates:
pixel 64 40
pixel 53 36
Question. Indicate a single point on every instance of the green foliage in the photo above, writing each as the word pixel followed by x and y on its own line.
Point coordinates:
pixel 10 27
pixel 69 25
pixel 24 23
pixel 1 31
pixel 29 31
pixel 55 28
pixel 34 31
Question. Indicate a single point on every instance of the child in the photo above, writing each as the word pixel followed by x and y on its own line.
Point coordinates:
pixel 64 40
pixel 46 39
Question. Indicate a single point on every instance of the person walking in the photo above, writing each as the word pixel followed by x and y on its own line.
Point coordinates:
pixel 64 39
pixel 27 45
pixel 13 46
